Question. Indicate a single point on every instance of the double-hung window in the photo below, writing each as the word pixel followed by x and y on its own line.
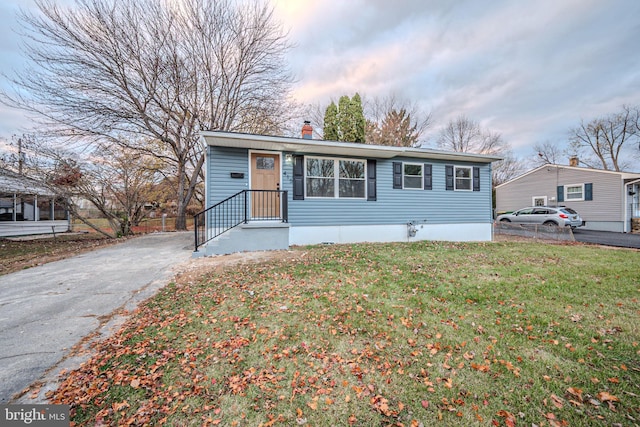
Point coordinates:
pixel 335 178
pixel 464 178
pixel 574 192
pixel 412 176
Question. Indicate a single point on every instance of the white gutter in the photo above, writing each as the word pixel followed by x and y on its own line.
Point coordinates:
pixel 299 145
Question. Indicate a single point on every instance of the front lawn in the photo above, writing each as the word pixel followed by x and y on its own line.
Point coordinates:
pixel 390 334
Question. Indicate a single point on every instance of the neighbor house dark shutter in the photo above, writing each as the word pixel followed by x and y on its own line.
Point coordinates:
pixel 588 191
pixel 448 174
pixel 476 178
pixel 298 178
pixel 560 193
pixel 427 176
pixel 397 174
pixel 371 180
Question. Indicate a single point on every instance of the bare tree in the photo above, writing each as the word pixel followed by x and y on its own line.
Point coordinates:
pixel 547 153
pixel 600 143
pixel 467 136
pixel 392 121
pixel 115 70
pixel 507 168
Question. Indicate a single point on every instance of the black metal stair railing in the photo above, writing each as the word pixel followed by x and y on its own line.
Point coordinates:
pixel 262 205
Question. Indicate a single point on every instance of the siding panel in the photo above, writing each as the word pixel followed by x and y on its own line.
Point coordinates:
pixel 607 192
pixel 393 206
pixel 399 206
pixel 221 162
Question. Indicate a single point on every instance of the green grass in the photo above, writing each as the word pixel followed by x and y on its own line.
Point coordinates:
pixel 391 334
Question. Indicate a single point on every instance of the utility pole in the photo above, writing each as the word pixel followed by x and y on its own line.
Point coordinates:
pixel 20 158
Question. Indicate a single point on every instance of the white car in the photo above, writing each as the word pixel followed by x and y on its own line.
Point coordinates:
pixel 545 215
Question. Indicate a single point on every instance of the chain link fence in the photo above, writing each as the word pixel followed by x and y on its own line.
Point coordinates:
pixel 534 231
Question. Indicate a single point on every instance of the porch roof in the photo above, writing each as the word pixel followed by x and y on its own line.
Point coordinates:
pixel 315 146
pixel 11 183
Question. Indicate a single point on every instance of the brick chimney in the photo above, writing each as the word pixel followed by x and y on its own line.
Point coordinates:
pixel 573 161
pixel 307 130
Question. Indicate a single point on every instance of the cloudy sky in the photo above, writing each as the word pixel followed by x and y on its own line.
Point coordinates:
pixel 529 70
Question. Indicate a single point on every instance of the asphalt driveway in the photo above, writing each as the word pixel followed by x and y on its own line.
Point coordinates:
pixel 607 238
pixel 46 310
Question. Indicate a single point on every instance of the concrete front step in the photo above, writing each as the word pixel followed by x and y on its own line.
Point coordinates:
pixel 253 236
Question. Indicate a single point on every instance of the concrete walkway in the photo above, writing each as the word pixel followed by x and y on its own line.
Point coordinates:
pixel 46 310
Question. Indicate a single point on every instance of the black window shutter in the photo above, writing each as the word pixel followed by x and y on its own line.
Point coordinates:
pixel 560 193
pixel 427 176
pixel 298 178
pixel 371 180
pixel 448 173
pixel 476 178
pixel 588 191
pixel 397 174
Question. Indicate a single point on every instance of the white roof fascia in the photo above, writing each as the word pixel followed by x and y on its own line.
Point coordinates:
pixel 623 175
pixel 299 145
pixel 523 175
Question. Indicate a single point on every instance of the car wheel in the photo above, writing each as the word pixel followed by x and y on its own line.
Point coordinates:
pixel 505 220
pixel 550 224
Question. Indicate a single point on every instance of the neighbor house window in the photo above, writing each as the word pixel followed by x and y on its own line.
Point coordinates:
pixel 463 178
pixel 412 176
pixel 574 192
pixel 335 178
pixel 539 201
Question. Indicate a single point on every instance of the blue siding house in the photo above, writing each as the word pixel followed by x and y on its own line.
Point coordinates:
pixel 266 192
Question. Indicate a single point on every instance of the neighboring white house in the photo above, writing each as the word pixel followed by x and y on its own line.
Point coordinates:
pixel 27 207
pixel 606 200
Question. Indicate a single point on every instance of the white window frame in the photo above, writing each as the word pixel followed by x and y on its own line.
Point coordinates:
pixel 533 200
pixel 566 193
pixel 413 176
pixel 455 180
pixel 336 177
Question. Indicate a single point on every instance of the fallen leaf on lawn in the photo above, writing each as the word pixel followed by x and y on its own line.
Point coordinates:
pixel 425 404
pixel 574 396
pixel 604 396
pixel 557 402
pixel 313 404
pixel 509 418
pixel 135 383
pixel 117 406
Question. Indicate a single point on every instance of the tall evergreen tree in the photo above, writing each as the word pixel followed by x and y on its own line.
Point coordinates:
pixel 359 123
pixel 330 129
pixel 344 119
pixel 345 122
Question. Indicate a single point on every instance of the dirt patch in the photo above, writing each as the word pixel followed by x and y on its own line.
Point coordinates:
pixel 20 253
pixel 194 269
